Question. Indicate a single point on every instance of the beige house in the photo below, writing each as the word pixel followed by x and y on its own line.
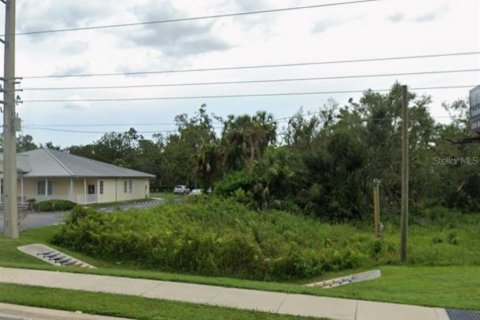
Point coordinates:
pixel 45 174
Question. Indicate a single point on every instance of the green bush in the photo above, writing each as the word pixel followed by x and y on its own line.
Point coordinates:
pixel 220 237
pixel 216 237
pixel 54 205
pixel 234 182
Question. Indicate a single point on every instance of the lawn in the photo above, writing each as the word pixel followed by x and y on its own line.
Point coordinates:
pixel 167 196
pixel 440 286
pixel 124 306
pixel 452 287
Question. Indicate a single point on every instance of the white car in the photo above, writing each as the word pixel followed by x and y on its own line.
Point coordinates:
pixel 196 192
pixel 181 189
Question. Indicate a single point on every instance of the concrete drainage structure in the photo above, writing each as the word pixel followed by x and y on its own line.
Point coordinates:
pixel 353 278
pixel 53 256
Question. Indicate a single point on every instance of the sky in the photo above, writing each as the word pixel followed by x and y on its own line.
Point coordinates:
pixel 384 28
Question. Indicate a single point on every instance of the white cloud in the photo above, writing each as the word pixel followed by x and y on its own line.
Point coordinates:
pixel 76 105
pixel 173 39
pixel 384 28
pixel 75 47
pixel 431 15
pixel 71 69
pixel 397 17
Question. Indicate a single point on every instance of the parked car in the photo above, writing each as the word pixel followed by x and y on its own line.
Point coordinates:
pixel 181 189
pixel 196 192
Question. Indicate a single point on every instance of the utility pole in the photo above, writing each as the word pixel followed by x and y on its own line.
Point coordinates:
pixel 376 207
pixel 9 125
pixel 404 207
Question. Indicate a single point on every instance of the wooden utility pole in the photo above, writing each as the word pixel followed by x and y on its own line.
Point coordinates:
pixel 9 125
pixel 376 206
pixel 404 207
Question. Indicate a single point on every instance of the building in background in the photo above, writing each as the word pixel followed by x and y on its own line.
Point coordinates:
pixel 45 174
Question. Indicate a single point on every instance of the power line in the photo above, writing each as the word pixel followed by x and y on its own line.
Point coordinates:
pixel 235 95
pixel 143 124
pixel 297 64
pixel 247 81
pixel 215 16
pixel 102 124
pixel 278 120
pixel 91 132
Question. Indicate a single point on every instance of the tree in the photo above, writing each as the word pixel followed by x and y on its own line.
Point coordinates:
pixel 113 147
pixel 455 170
pixel 245 139
pixel 189 155
pixel 25 143
pixel 51 146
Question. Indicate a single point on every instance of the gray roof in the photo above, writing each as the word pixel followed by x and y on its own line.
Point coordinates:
pixel 53 163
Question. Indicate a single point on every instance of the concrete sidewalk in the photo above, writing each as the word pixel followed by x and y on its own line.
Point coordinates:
pixel 275 302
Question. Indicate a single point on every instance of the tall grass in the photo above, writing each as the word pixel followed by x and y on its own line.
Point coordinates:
pixel 220 237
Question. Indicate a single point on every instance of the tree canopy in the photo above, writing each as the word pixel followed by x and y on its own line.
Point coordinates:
pixel 322 163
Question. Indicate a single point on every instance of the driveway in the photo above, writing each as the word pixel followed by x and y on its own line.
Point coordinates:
pixel 37 219
pixel 31 220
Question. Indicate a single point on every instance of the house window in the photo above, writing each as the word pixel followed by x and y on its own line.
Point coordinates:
pixel 130 186
pixel 125 186
pixel 91 189
pixel 41 188
pixel 100 187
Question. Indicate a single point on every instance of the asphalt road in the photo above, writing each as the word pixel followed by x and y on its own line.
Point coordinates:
pixel 37 219
pixel 31 220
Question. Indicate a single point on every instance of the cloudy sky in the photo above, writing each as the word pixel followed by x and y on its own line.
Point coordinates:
pixel 355 31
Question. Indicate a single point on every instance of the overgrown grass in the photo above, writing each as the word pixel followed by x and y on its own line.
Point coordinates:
pixel 124 306
pixel 116 203
pixel 443 270
pixel 217 237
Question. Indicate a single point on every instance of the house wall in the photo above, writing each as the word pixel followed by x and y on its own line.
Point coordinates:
pixel 60 188
pixel 113 189
pixel 140 189
pixel 109 190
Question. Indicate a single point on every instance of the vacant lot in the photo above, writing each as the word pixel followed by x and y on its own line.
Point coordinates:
pixel 217 237
pixel 443 268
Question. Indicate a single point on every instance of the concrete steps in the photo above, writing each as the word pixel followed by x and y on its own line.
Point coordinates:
pixel 52 256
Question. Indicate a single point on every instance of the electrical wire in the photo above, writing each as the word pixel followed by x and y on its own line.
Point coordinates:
pixel 92 132
pixel 248 81
pixel 215 16
pixel 234 95
pixel 103 124
pixel 296 64
pixel 278 120
pixel 147 124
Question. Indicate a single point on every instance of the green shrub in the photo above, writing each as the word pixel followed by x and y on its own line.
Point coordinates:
pixel 54 205
pixel 220 237
pixel 217 237
pixel 231 183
